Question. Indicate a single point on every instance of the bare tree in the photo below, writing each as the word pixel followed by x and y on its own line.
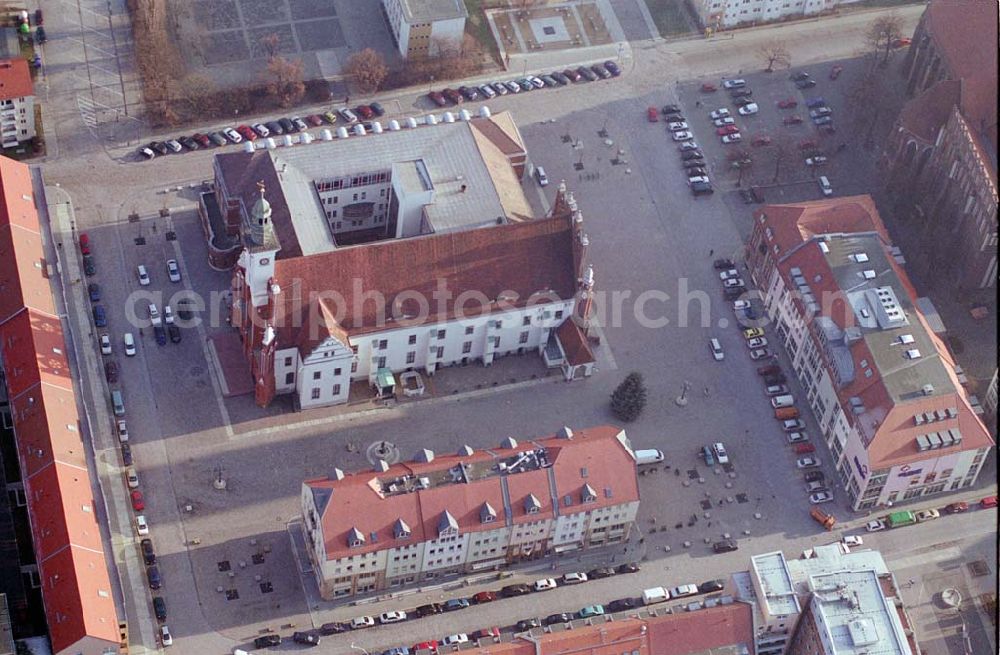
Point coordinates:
pixel 284 80
pixel 782 148
pixel 882 34
pixel 742 160
pixel 367 69
pixel 868 101
pixel 774 53
pixel 271 44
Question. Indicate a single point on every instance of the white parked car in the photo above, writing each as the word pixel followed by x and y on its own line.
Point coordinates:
pixel 122 432
pixel 391 617
pixel 853 540
pixel 875 526
pixel 684 590
pixel 261 130
pixel 689 145
pixel 105 344
pixel 807 462
pixel 725 120
pixel 820 497
pixel 797 437
pixel 699 178
pixel 716 348
pixel 143 275
pixel 536 82
pixel 460 638
pixel 733 283
pixel 574 578
pixel 775 389
pixel 545 584
pixel 677 127
pixel 129 344
pixel 132 477
pixel 758 342
pixel 818 160
pixel 683 135
pixel 725 275
pixel 749 110
pixel 927 515
pixel 734 84
pixel 720 452
pixel 824 185
pixel 741 305
pixel 154 314
pixel 173 271
pixel 361 622
pixel 732 138
pixel 174 145
pixel 168 314
pixel 759 353
pixel 233 135
pixel 488 91
pixel 165 636
pixel 719 113
pixel 141 527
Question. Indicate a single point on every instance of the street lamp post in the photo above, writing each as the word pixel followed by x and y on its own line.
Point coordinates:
pixel 681 400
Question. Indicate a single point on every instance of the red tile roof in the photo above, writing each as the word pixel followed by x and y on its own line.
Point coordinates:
pixel 519 258
pixel 15 79
pixel 355 503
pixel 574 344
pixel 792 224
pixel 76 588
pixel 965 36
pixel 716 629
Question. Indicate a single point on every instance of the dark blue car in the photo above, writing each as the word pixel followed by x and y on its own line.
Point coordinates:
pixel 94 290
pixel 815 102
pixel 100 318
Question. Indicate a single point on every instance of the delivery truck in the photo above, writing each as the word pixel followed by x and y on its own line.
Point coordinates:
pixel 899 519
pixel 655 595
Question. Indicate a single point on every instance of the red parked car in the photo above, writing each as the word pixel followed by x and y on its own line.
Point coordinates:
pixel 454 96
pixel 761 140
pixel 202 140
pixel 989 501
pixel 788 103
pixel 708 88
pixel 315 120
pixel 804 448
pixel 792 120
pixel 364 111
pixel 652 115
pixel 438 98
pixel 138 503
pixel 247 133
pixel 835 72
pixel 807 145
pixel 728 129
pixel 957 508
pixel 84 244
pixel 486 633
pixel 425 645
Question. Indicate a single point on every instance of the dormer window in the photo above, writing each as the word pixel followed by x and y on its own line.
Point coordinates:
pixel 355 538
pixel 531 504
pixel 401 530
pixel 487 514
pixel 588 494
pixel 447 525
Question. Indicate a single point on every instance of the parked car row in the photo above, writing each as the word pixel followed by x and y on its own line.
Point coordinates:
pixel 904 517
pixel 312 637
pixel 251 132
pixel 692 158
pixel 488 90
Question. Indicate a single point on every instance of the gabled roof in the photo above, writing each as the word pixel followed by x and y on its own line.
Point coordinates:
pixel 574 344
pixel 23 281
pixel 15 79
pixel 926 114
pixel 523 259
pixel 793 223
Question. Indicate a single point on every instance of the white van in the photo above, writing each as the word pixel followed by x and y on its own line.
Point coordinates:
pixel 655 595
pixel 824 185
pixel 786 400
pixel 143 275
pixel 716 348
pixel 129 344
pixel 543 179
pixel 118 403
pixel 648 456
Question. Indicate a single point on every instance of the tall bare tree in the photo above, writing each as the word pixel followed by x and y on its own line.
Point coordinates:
pixel 742 160
pixel 868 101
pixel 882 34
pixel 774 53
pixel 367 69
pixel 783 149
pixel 271 44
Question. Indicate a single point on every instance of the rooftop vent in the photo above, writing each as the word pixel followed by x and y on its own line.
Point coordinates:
pixel 465 451
pixel 927 389
pixel 248 146
pixel 411 122
pixel 905 338
pixel 565 433
pixel 393 125
pixel 484 112
pixel 448 117
pixel 509 443
pixel 342 132
pixel 860 257
pixel 359 130
pixel 381 465
pixel 868 274
pixel 376 127
pixel 913 353
pixel 326 135
pixel 424 455
pixel 465 115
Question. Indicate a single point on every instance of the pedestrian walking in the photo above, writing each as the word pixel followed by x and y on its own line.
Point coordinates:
pixel 347 100
pixel 711 252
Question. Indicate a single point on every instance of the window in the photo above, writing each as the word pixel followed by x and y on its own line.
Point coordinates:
pixel 289 378
pixel 411 357
pixel 336 390
pixel 288 361
pixel 333 214
pixel 469 329
pixel 383 344
pixel 354 367
pixel 440 352
pixel 466 347
pixel 526 321
pixel 523 338
pixel 336 372
pixel 559 314
pixel 441 334
pixel 413 340
pixel 496 342
pixel 317 375
pixel 315 394
pixel 381 362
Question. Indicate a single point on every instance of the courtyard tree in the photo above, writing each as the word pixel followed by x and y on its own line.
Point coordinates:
pixel 783 149
pixel 367 69
pixel 284 80
pixel 270 44
pixel 629 399
pixel 774 53
pixel 881 35
pixel 869 102
pixel 741 159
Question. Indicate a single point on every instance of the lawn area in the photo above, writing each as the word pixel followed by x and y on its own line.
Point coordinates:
pixel 671 17
pixel 479 28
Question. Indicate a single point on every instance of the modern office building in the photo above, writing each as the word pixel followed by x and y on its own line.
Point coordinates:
pixel 475 510
pixel 423 28
pixel 882 385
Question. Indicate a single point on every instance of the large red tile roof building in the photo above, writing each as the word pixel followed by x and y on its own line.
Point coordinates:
pixel 69 555
pixel 881 383
pixel 942 152
pixel 474 510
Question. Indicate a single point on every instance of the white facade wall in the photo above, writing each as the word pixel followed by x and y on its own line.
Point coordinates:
pixel 286 369
pixel 17 120
pixel 335 201
pixel 404 563
pixel 487 546
pixel 324 376
pixel 447 32
pixel 732 13
pixel 445 553
pixel 399 27
pixel 410 206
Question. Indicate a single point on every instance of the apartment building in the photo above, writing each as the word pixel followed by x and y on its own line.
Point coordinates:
pixel 727 14
pixel 17 103
pixel 882 385
pixel 472 511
